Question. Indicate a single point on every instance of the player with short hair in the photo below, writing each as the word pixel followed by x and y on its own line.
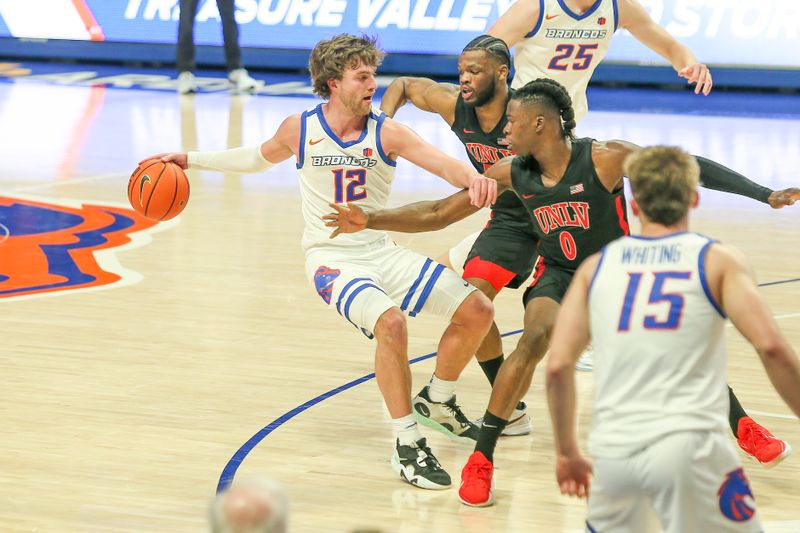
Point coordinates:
pixel 655 307
pixel 346 151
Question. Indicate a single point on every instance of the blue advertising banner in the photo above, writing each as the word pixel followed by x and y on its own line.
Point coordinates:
pixel 763 33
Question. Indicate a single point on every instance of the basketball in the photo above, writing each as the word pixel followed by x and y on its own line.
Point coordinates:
pixel 158 190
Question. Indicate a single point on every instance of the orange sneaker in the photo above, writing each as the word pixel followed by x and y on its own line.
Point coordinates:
pixel 760 444
pixel 476 481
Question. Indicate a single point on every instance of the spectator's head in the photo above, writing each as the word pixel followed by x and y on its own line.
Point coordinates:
pixel 255 505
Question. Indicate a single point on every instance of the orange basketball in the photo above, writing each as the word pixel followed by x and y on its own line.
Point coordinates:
pixel 158 190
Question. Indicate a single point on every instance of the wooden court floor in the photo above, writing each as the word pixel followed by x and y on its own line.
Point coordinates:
pixel 123 405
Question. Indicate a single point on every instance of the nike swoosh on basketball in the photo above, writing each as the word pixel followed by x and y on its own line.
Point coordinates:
pixel 312 142
pixel 145 179
pixel 468 131
pixel 548 17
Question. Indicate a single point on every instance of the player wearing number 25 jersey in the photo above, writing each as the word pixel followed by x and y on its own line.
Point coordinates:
pixel 567 47
pixel 565 40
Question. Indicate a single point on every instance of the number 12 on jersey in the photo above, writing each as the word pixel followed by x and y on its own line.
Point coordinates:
pixel 352 190
pixel 657 296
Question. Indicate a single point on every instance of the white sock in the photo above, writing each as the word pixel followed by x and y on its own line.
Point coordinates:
pixel 406 430
pixel 440 390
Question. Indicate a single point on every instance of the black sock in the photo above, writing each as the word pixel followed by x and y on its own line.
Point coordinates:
pixel 735 413
pixel 490 368
pixel 492 427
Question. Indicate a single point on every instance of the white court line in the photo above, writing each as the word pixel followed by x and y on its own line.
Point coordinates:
pixel 772 415
pixel 50 185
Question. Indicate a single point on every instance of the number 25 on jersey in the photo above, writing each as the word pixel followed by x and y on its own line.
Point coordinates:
pixel 570 56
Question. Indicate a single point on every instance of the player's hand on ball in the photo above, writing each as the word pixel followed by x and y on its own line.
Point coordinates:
pixel 179 158
pixel 346 219
pixel 783 198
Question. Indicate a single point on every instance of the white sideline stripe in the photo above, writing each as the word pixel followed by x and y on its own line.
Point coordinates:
pixel 773 415
pixel 52 184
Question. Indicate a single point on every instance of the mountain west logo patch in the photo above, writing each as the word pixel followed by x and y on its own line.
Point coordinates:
pixel 48 248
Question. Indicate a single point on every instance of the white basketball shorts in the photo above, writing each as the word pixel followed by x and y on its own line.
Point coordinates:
pixel 363 282
pixel 687 481
pixel 458 253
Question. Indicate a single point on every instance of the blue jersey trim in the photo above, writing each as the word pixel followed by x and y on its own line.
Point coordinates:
pixel 616 14
pixel 597 268
pixel 427 290
pixel 538 21
pixel 413 289
pixel 569 12
pixel 335 137
pixel 647 238
pixel 590 528
pixel 301 150
pixel 379 119
pixel 701 268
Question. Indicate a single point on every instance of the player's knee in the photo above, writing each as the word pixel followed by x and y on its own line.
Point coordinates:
pixel 391 326
pixel 477 310
pixel 534 341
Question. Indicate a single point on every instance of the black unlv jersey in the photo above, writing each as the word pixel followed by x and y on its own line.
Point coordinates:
pixel 484 150
pixel 577 216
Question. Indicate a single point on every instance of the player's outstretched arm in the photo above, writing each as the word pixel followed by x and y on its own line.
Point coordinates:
pixel 570 337
pixel 399 140
pixel 720 178
pixel 733 283
pixel 634 18
pixel 244 159
pixel 424 93
pixel 417 217
pixel 516 23
pixel 412 218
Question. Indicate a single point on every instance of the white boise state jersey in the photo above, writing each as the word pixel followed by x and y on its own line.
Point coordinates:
pixel 659 345
pixel 336 171
pixel 565 47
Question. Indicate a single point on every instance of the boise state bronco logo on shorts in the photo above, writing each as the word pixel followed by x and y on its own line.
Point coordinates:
pixel 736 500
pixel 51 248
pixel 323 281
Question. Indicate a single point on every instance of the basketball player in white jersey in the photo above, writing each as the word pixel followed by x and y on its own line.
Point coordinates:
pixel 655 307
pixel 346 151
pixel 565 40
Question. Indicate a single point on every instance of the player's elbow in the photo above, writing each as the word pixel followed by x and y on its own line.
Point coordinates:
pixel 773 349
